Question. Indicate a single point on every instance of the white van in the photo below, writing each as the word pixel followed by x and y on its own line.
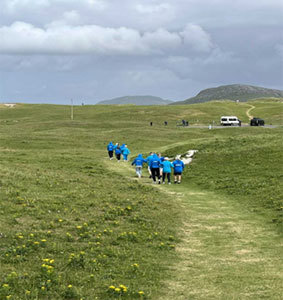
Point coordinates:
pixel 230 121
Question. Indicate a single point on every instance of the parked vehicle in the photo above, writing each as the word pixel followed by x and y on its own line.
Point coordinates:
pixel 230 121
pixel 257 122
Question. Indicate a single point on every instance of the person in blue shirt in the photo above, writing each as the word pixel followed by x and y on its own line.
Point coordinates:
pixel 110 148
pixel 166 170
pixel 125 152
pixel 154 168
pixel 138 162
pixel 148 159
pixel 178 169
pixel 117 151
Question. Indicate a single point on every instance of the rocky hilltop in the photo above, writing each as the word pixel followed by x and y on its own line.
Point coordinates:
pixel 232 92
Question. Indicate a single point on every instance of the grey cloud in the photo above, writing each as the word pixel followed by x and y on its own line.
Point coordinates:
pixel 97 49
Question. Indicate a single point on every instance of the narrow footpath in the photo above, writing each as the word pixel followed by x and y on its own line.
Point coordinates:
pixel 226 252
pixel 249 110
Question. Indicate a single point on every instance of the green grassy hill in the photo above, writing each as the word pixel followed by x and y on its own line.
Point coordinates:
pixel 136 100
pixel 234 92
pixel 74 225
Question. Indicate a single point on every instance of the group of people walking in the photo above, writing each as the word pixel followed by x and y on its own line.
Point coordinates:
pixel 159 167
pixel 119 150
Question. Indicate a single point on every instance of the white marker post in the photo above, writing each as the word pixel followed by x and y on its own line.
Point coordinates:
pixel 72 110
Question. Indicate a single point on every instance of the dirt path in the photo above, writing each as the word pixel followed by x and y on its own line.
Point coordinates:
pixel 249 110
pixel 226 252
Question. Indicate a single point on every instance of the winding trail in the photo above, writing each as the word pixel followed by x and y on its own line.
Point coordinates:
pixel 249 110
pixel 226 251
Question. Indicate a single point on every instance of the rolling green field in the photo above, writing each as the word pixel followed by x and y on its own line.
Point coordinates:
pixel 75 225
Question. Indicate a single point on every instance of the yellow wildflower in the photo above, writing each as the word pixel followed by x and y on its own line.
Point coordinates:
pixel 70 286
pixel 27 292
pixel 112 287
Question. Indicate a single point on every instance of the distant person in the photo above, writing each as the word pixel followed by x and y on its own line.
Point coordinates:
pixel 138 162
pixel 187 123
pixel 150 123
pixel 154 168
pixel 165 123
pixel 178 169
pixel 125 152
pixel 148 159
pixel 110 148
pixel 118 152
pixel 166 166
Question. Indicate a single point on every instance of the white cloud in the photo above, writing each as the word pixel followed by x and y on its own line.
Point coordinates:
pixel 62 38
pixel 195 37
pixel 153 8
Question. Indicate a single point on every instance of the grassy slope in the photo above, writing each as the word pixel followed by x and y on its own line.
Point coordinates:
pixel 53 169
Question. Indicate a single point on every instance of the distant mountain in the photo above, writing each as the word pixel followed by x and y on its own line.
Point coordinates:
pixel 232 92
pixel 136 100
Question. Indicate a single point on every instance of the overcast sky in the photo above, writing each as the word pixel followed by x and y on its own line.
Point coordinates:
pixel 91 50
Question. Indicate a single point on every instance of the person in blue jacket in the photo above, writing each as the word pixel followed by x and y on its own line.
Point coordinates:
pixel 125 152
pixel 110 148
pixel 178 169
pixel 148 159
pixel 117 151
pixel 122 147
pixel 154 168
pixel 166 170
pixel 138 162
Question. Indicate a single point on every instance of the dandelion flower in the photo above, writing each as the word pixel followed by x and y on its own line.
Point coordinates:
pixel 70 286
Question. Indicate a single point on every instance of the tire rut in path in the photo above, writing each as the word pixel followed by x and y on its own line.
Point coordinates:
pixel 226 252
